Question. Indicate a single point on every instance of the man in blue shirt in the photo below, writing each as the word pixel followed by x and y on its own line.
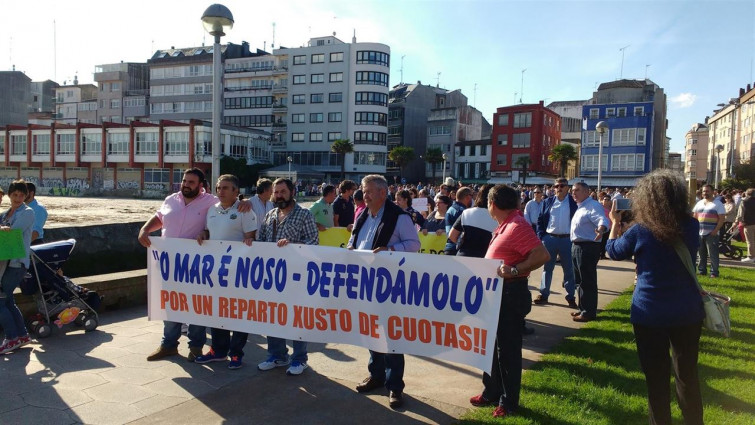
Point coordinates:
pixel 40 214
pixel 587 228
pixel 463 200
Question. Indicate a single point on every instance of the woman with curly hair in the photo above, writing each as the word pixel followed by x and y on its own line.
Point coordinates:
pixel 667 308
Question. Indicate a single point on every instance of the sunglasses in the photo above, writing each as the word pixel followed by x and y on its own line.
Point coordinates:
pixel 559 185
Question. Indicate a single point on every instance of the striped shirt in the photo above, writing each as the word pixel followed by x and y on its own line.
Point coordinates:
pixel 707 214
pixel 513 240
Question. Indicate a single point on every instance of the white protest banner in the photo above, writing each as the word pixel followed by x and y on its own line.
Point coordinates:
pixel 391 302
pixel 420 204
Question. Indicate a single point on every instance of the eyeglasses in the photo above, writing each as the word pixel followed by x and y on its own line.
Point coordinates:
pixel 559 185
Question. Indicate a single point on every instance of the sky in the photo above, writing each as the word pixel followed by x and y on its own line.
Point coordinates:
pixel 699 52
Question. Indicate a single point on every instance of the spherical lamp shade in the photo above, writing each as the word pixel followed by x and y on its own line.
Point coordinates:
pixel 217 19
pixel 601 127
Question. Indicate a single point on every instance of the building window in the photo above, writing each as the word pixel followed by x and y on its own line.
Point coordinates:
pixel 336 57
pixel 590 139
pixel 334 117
pixel 117 143
pixel 628 162
pixel 318 78
pixel 297 118
pixel 146 143
pixel 334 135
pixel 297 137
pixel 503 139
pixel 621 112
pixel 91 143
pixel 316 98
pixel 18 144
pixel 501 159
pixel 369 138
pixel 440 130
pixel 523 120
pixel 373 78
pixel 370 118
pixel 624 137
pixel 248 102
pixel 394 131
pixel 115 103
pixel 335 97
pixel 369 158
pixel 639 111
pixel 641 136
pixel 156 175
pixel 396 113
pixel 521 140
pixel 594 113
pixel 503 120
pixel 315 117
pixel 315 137
pixel 297 99
pixel 336 77
pixel 176 143
pixel 371 98
pixel 590 163
pixel 318 58
pixel 610 112
pixel 300 60
pixel 66 144
pixel 372 57
pixel 300 79
pixel 40 144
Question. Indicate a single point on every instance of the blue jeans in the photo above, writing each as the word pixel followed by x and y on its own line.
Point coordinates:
pixel 10 316
pixel 388 368
pixel 558 247
pixel 172 331
pixel 708 244
pixel 277 347
pixel 225 344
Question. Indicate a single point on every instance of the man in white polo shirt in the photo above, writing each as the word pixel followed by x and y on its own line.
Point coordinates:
pixel 225 222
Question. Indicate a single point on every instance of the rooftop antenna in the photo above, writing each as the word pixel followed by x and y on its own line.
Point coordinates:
pixel 437 80
pixel 646 71
pixel 402 69
pixel 521 89
pixel 474 102
pixel 272 46
pixel 621 74
pixel 515 93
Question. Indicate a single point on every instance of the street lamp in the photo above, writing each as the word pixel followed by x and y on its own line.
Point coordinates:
pixel 719 148
pixel 289 159
pixel 444 169
pixel 601 127
pixel 217 19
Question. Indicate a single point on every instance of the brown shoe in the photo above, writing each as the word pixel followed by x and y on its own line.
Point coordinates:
pixel 575 313
pixel 161 352
pixel 540 300
pixel 572 303
pixel 369 384
pixel 395 399
pixel 582 318
pixel 194 352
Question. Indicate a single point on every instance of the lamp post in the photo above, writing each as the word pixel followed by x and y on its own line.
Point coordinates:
pixel 444 169
pixel 719 148
pixel 601 127
pixel 289 159
pixel 217 19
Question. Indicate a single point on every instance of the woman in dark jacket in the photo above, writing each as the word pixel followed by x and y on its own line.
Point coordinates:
pixel 667 308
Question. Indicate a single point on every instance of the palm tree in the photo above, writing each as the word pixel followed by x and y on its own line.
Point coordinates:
pixel 342 147
pixel 433 156
pixel 524 162
pixel 401 155
pixel 562 154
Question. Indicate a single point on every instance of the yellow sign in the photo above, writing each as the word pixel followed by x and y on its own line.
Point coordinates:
pixel 339 237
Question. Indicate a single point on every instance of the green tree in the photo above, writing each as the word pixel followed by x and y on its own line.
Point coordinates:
pixel 433 156
pixel 524 162
pixel 247 174
pixel 745 173
pixel 401 155
pixel 562 154
pixel 342 147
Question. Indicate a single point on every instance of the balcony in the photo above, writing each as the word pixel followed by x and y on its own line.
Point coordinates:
pixel 248 88
pixel 279 109
pixel 280 127
pixel 280 70
pixel 280 88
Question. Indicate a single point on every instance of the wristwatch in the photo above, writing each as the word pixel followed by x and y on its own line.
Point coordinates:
pixel 514 271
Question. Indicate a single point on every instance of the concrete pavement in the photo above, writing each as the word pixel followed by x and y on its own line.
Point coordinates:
pixel 102 377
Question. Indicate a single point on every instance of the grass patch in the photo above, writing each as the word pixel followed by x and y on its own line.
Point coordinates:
pixel 594 377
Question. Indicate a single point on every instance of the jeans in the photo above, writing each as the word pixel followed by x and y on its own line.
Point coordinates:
pixel 10 316
pixel 277 347
pixel 172 331
pixel 708 245
pixel 225 344
pixel 653 350
pixel 505 380
pixel 585 256
pixel 557 247
pixel 388 368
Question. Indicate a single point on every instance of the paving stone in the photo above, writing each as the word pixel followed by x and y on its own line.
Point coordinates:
pixel 144 348
pixel 158 403
pixel 180 387
pixel 56 398
pixel 140 361
pixel 104 352
pixel 78 380
pixel 10 401
pixel 37 416
pixel 116 392
pixel 104 413
pixel 131 376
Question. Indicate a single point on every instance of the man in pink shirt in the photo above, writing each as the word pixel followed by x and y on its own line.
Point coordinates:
pixel 183 215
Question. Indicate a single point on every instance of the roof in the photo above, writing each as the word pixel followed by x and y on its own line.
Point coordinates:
pixel 568 103
pixel 473 142
pixel 629 84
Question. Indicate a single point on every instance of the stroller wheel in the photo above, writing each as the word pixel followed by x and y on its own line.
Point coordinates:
pixel 80 319
pixel 737 253
pixel 90 323
pixel 43 330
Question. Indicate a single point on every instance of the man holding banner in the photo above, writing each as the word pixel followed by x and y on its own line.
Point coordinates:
pixel 384 227
pixel 287 223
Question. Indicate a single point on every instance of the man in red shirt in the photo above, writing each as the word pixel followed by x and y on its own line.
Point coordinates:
pixel 516 244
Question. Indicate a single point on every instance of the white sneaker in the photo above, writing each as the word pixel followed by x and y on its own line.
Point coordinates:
pixel 296 368
pixel 748 260
pixel 272 362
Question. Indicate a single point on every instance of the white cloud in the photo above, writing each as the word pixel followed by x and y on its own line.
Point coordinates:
pixel 684 100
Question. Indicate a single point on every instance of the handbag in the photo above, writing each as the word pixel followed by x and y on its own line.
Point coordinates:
pixel 716 306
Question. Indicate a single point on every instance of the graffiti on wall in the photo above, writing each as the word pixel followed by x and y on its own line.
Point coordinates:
pixel 154 186
pixel 128 185
pixel 108 184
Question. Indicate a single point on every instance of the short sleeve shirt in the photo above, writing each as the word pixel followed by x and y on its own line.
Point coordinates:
pixel 707 214
pixel 323 212
pixel 180 220
pixel 513 240
pixel 344 210
pixel 230 224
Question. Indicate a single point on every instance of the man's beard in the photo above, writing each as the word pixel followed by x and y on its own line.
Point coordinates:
pixel 188 193
pixel 283 203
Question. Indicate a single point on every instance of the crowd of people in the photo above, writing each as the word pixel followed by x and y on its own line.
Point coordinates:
pixel 523 227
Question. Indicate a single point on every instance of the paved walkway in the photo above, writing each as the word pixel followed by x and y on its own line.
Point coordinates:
pixel 103 378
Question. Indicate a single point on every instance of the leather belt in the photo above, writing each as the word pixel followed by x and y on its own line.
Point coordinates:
pixel 565 235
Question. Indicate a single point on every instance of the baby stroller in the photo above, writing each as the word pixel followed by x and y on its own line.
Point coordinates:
pixel 59 300
pixel 726 247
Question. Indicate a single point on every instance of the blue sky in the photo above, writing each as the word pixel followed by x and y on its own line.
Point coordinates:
pixel 700 52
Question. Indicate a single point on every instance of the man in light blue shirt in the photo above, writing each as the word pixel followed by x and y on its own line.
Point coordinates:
pixel 587 228
pixel 40 215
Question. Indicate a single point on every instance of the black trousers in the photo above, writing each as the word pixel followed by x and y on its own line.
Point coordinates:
pixel 505 380
pixel 653 349
pixel 585 256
